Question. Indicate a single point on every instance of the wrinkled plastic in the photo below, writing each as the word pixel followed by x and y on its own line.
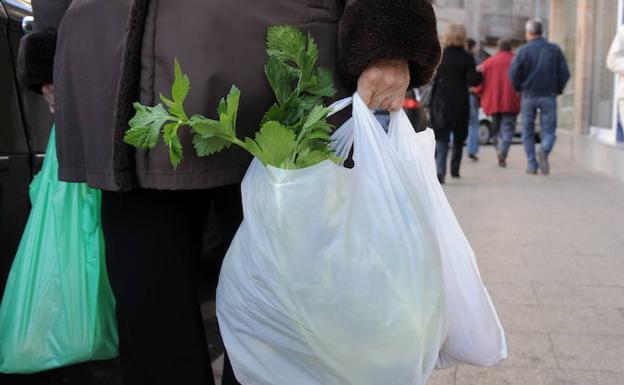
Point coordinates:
pixel 58 307
pixel 341 276
pixel 475 334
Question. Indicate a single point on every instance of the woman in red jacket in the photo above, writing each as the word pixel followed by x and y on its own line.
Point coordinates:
pixel 499 99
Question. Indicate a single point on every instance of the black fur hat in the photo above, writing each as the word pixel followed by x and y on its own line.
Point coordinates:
pixel 374 30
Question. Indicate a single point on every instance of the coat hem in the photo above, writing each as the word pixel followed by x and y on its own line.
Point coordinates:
pixel 175 181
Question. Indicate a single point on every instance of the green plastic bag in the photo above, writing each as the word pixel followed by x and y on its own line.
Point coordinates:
pixel 58 308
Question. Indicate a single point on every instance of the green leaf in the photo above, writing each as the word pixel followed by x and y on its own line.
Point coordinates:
pixel 145 126
pixel 252 147
pixel 205 127
pixel 289 112
pixel 179 90
pixel 288 164
pixel 318 114
pixel 308 102
pixel 209 136
pixel 273 113
pixel 312 50
pixel 228 109
pixel 205 146
pixel 276 141
pixel 280 78
pixel 322 84
pixel 306 66
pixel 285 42
pixel 170 136
pixel 318 135
pixel 310 158
pixel 181 84
pixel 168 102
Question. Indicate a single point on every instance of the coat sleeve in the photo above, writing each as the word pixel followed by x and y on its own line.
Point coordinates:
pixel 473 78
pixel 375 30
pixel 36 52
pixel 563 72
pixel 516 71
pixel 485 68
pixel 615 58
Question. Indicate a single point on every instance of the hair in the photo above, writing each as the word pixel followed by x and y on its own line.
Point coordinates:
pixel 470 44
pixel 504 45
pixel 534 27
pixel 454 35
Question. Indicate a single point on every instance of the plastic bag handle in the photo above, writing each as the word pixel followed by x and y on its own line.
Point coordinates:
pixel 344 137
pixel 340 105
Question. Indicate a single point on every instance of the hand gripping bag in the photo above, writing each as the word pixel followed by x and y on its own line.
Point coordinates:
pixel 58 308
pixel 335 276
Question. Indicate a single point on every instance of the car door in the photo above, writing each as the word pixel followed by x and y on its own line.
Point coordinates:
pixel 24 129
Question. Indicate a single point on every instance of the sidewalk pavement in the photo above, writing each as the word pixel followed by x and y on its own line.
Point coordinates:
pixel 551 252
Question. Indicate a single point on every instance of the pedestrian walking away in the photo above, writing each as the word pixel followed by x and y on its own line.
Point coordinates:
pixel 540 73
pixel 472 145
pixel 104 55
pixel 450 109
pixel 499 99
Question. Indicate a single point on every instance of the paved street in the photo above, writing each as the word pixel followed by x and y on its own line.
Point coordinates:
pixel 551 251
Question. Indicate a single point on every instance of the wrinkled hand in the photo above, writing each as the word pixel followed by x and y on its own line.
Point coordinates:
pixel 383 85
pixel 48 93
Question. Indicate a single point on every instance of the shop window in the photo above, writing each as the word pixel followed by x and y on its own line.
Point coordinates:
pixel 602 79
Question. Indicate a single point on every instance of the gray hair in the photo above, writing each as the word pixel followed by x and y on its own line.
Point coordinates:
pixel 534 27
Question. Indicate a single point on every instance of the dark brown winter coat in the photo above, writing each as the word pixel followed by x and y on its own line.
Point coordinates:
pixel 110 53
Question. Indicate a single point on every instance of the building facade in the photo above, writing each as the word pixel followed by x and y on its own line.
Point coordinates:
pixel 588 110
pixel 489 20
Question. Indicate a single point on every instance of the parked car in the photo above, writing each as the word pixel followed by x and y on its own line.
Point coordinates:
pixel 415 109
pixel 24 131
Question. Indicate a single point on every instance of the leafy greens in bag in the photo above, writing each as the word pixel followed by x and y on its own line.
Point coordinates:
pixel 294 132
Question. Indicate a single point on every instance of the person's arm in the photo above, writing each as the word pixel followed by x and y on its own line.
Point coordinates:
pixel 36 51
pixel 385 47
pixel 473 78
pixel 516 71
pixel 615 58
pixel 563 72
pixel 483 68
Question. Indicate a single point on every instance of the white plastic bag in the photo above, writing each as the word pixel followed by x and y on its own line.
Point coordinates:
pixel 335 276
pixel 475 334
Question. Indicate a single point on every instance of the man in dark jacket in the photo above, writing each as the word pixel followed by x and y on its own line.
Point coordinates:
pixel 540 72
pixel 109 53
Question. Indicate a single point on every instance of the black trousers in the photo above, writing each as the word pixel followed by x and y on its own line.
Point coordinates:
pixel 460 132
pixel 153 245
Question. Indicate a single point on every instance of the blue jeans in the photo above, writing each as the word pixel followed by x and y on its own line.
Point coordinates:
pixel 504 125
pixel 473 126
pixel 547 106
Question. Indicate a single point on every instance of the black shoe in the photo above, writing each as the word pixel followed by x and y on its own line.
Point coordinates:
pixel 473 157
pixel 502 162
pixel 441 179
pixel 543 162
pixel 455 175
